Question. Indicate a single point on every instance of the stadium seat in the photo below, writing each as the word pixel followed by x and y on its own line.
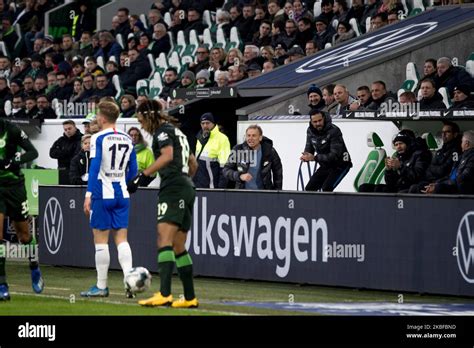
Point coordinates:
pixel 167 19
pixel 8 107
pixel 206 18
pixel 130 36
pixel 335 23
pixel 317 8
pixel 405 7
pixel 207 38
pixel 171 41
pixel 56 106
pixel 119 40
pixel 220 39
pixel 445 94
pixel 355 26
pixel 415 12
pixel 151 61
pixel 430 141
pixel 113 59
pixel 142 87
pixel 418 4
pixel 235 41
pixel 156 87
pixel 374 164
pixel 191 48
pixel 118 87
pixel 3 49
pixel 175 62
pixel 327 45
pixel 180 45
pixel 161 64
pixel 100 62
pixel 470 64
pixel 412 78
pixel 367 24
pixel 144 20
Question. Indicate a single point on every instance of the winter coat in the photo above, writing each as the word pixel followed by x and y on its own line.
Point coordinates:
pixel 444 160
pixel 64 149
pixel 328 144
pixel 271 169
pixel 79 166
pixel 433 103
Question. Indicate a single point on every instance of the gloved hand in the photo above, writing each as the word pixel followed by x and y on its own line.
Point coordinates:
pixel 139 180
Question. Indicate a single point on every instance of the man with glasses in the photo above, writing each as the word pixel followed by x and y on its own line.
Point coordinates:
pixel 64 90
pixel 161 40
pixel 44 109
pixel 202 55
pixel 288 37
pixel 88 88
pixel 102 87
pixel 18 106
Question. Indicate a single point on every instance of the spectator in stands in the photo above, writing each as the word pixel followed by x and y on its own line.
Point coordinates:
pixel 267 53
pixel 268 66
pixel 178 22
pixel 16 87
pixel 252 55
pixel 315 98
pixel 132 42
pixel 341 11
pixel 255 164
pixel 82 22
pixel 275 11
pixel 115 24
pixel 202 59
pixel 203 79
pixel 79 168
pixel 64 90
pixel 77 91
pixel 245 23
pixel 5 67
pixel 212 152
pixel 237 73
pixel 111 69
pixel 154 18
pixel 31 110
pixel 450 76
pixel 443 160
pixel 288 36
pixel 406 167
pixel 49 62
pixel 65 148
pixel 161 41
pixel 280 54
pixel 324 33
pixel 393 17
pixel 344 33
pixel 223 22
pixel 108 47
pixel 87 88
pixel 254 70
pixel 300 11
pixel 48 45
pixel 327 11
pixel 305 34
pixel 141 99
pixel 288 8
pixel 41 83
pixel 343 99
pixel 463 98
pixel 92 67
pixel 217 58
pixel 461 178
pixel 380 96
pixel 378 21
pixel 222 78
pixel 364 99
pixel 295 53
pixel 407 97
pixel 44 109
pixel 139 69
pixel 124 25
pixel 52 84
pixel 68 49
pixel 170 82
pixel 234 57
pixel 5 94
pixel 103 88
pixel 194 23
pixel 26 16
pixel 36 66
pixel 18 107
pixel 188 80
pixel 325 139
pixel 260 14
pixel 357 10
pixel 369 12
pixel 29 85
pixel 330 103
pixel 85 45
pixel 429 71
pixel 431 98
pixel 390 5
pixel 278 29
pixel 8 34
pixel 127 106
pixel 263 36
pixel 145 155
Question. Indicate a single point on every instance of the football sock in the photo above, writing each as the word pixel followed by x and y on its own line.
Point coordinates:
pixel 166 262
pixel 3 254
pixel 102 261
pixel 33 253
pixel 125 256
pixel 184 263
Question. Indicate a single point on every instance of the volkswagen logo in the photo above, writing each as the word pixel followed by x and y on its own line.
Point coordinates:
pixel 53 225
pixel 465 247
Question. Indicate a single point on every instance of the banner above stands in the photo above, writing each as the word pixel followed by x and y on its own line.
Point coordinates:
pixel 212 92
pixel 404 115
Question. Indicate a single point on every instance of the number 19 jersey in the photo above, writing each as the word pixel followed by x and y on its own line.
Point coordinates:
pixel 113 164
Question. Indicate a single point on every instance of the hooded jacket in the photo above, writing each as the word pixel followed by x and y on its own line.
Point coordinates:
pixel 271 169
pixel 414 162
pixel 65 148
pixel 435 102
pixel 328 144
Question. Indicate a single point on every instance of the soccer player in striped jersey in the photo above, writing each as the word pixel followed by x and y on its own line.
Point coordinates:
pixel 107 201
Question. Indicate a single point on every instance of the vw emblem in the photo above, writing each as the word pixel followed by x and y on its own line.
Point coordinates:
pixel 465 247
pixel 53 225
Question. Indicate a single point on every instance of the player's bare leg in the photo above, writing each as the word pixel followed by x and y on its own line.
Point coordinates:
pixel 25 237
pixel 166 233
pixel 124 254
pixel 184 264
pixel 102 262
pixel 4 294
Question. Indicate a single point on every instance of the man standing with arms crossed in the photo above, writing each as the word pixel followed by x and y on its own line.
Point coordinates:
pixel 107 201
pixel 13 201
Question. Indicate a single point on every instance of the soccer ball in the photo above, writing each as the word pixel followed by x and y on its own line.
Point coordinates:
pixel 138 279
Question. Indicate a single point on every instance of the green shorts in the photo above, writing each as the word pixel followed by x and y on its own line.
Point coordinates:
pixel 13 202
pixel 176 204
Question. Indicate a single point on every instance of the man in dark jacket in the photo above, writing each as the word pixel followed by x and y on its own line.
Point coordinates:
pixel 450 76
pixel 315 98
pixel 444 159
pixel 139 69
pixel 462 98
pixel 65 148
pixel 380 96
pixel 194 23
pixel 406 167
pixel 324 32
pixel 79 172
pixel 431 99
pixel 255 164
pixel 325 139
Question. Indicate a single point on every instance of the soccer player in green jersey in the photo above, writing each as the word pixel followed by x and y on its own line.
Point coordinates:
pixel 13 201
pixel 175 165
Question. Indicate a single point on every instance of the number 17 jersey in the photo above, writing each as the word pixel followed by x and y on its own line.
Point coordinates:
pixel 113 164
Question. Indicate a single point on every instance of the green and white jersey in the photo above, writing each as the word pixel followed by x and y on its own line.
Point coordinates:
pixel 12 139
pixel 169 135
